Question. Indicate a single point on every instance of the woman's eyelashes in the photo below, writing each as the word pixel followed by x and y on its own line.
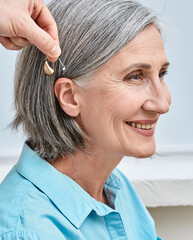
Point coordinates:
pixel 163 74
pixel 139 75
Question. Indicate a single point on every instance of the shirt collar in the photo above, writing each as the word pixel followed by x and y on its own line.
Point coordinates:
pixel 74 203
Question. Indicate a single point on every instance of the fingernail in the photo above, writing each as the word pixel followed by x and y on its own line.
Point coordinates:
pixel 53 49
pixel 55 52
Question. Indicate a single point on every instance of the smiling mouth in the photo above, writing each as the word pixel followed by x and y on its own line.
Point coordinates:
pixel 141 126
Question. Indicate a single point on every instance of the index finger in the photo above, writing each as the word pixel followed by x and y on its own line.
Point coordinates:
pixel 43 41
pixel 46 21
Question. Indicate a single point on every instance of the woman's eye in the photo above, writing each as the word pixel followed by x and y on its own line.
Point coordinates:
pixel 163 74
pixel 137 76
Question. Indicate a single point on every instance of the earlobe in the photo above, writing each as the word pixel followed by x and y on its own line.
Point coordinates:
pixel 66 92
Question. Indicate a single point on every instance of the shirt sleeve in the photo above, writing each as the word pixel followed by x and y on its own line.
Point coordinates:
pixel 27 235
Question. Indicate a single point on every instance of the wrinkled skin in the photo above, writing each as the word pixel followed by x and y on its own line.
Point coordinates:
pixel 28 22
pixel 117 95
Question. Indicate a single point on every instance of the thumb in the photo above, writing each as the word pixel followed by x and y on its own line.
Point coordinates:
pixel 43 41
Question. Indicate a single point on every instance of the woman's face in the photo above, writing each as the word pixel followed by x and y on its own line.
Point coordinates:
pixel 127 95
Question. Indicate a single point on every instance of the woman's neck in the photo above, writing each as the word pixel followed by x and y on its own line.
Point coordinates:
pixel 90 171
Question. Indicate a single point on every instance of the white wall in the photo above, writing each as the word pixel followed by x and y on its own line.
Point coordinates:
pixel 173 223
pixel 176 127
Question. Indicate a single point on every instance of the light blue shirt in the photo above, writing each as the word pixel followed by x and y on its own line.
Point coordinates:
pixel 39 203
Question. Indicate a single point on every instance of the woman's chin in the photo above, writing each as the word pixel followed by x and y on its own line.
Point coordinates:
pixel 143 151
pixel 145 154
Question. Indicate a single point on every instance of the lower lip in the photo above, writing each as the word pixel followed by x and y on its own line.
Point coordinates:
pixel 144 132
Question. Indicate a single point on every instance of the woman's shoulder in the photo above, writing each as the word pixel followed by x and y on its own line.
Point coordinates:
pixel 12 194
pixel 21 202
pixel 27 235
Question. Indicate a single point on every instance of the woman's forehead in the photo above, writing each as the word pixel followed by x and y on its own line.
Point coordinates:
pixel 149 40
pixel 146 47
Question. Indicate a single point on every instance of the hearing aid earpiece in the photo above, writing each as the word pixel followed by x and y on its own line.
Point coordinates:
pixel 50 71
pixel 47 69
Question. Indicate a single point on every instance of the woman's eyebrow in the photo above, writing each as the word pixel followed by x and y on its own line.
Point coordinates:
pixel 167 64
pixel 144 65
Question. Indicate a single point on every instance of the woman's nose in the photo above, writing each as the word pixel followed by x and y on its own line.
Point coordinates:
pixel 158 99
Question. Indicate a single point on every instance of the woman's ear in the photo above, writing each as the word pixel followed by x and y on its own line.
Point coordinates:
pixel 67 92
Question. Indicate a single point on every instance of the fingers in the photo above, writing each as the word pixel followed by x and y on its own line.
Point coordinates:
pixel 46 21
pixel 42 40
pixel 2 39
pixel 30 24
pixel 47 41
pixel 20 42
pixel 8 44
pixel 13 43
pixel 48 24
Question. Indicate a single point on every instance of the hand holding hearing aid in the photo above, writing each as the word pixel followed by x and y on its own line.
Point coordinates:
pixel 28 22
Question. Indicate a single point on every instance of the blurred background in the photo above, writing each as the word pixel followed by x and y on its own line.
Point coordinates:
pixel 174 131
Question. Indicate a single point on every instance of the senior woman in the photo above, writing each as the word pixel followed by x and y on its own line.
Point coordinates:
pixel 82 121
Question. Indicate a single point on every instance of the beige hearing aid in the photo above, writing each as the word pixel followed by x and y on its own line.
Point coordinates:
pixel 50 71
pixel 47 69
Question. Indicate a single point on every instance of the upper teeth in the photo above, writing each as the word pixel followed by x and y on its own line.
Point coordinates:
pixel 142 126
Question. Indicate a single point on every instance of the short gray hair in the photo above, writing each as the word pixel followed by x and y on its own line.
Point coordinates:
pixel 90 32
